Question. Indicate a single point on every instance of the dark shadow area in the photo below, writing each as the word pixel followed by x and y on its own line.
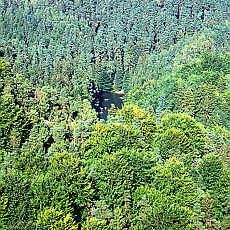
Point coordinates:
pixel 103 101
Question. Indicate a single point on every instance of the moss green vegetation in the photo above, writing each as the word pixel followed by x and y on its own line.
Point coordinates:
pixel 160 162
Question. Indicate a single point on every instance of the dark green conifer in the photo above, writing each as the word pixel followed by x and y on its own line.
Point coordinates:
pixel 104 82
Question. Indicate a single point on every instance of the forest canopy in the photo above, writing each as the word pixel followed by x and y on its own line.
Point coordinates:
pixel 160 158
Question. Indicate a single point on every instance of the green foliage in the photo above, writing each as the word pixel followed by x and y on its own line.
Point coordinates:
pixel 126 170
pixel 109 138
pixel 159 211
pixel 135 116
pixel 215 179
pixel 185 100
pixel 3 210
pixel 3 153
pixel 174 141
pixel 16 187
pixel 142 164
pixel 113 178
pixel 169 203
pixel 175 181
pixel 60 168
pixel 211 171
pixel 194 131
pixel 30 163
pixel 52 219
pixel 64 185
pixel 61 183
pixel 39 139
pixel 226 223
pixel 220 140
pixel 207 214
pixel 129 113
pixel 94 223
pixel 5 73
pixel 83 125
pixel 195 87
pixel 118 81
pixel 126 82
pixel 14 125
pixel 104 82
pixel 206 100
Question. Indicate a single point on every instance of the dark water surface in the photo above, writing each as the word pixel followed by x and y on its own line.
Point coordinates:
pixel 103 101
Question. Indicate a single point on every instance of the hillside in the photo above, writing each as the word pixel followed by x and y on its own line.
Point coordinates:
pixel 114 115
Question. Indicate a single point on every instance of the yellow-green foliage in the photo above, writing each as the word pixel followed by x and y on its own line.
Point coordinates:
pixel 148 127
pixel 5 72
pixel 194 131
pixel 3 209
pixel 51 219
pixel 3 153
pixel 169 202
pixel 109 138
pixel 174 179
pixel 173 140
pixel 95 224
pixel 65 185
pixel 131 114
pixel 226 223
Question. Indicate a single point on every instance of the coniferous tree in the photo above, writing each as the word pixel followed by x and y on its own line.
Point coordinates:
pixel 104 82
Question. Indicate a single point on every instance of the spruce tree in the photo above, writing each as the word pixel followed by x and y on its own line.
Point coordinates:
pixel 104 82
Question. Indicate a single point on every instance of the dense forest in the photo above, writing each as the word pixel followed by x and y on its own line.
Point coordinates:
pixel 157 72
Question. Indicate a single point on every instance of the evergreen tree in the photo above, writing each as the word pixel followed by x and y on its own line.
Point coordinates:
pixel 126 82
pixel 118 81
pixel 104 82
